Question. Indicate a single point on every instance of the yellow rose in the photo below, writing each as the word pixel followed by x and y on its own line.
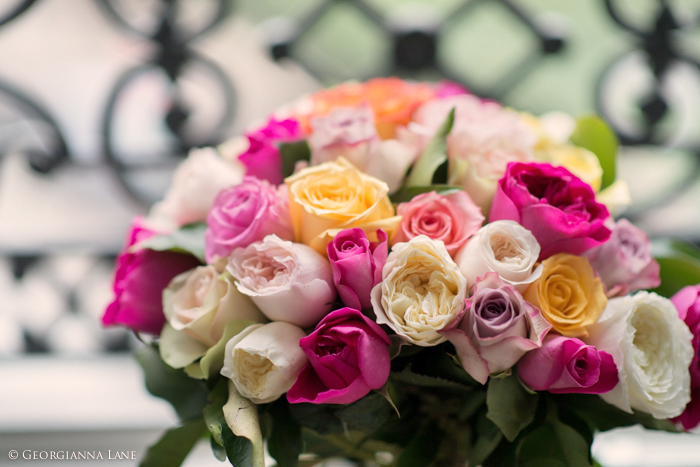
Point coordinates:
pixel 327 198
pixel 580 162
pixel 568 293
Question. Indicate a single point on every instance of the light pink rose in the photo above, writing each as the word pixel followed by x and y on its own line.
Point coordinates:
pixel 245 214
pixel 262 159
pixel 498 328
pixel 288 281
pixel 451 218
pixel 624 262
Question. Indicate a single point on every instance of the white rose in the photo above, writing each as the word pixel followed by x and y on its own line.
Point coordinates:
pixel 289 281
pixel 652 349
pixel 196 182
pixel 198 304
pixel 264 360
pixel 504 247
pixel 422 291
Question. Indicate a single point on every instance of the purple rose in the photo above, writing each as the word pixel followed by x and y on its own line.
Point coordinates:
pixel 245 214
pixel 687 302
pixel 498 327
pixel 567 365
pixel 262 159
pixel 624 263
pixel 139 280
pixel 357 265
pixel 348 357
pixel 556 206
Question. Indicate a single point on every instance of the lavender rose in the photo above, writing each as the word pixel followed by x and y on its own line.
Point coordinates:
pixel 357 265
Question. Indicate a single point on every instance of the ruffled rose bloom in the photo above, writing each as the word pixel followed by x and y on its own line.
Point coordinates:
pixel 198 304
pixel 196 182
pixel 652 348
pixel 357 264
pixel 625 263
pixel 328 198
pixel 287 281
pixel 568 293
pixel 262 158
pixel 557 207
pixel 566 365
pixel 451 218
pixel 687 302
pixel 350 132
pixel 497 329
pixel 504 247
pixel 348 357
pixel 139 279
pixel 484 135
pixel 422 291
pixel 264 360
pixel 245 214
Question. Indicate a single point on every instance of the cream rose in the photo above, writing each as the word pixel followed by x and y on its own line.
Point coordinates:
pixel 328 198
pixel 198 304
pixel 264 360
pixel 652 349
pixel 504 247
pixel 422 291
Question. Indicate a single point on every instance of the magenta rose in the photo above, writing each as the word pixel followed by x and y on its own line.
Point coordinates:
pixel 556 206
pixel 567 365
pixel 140 277
pixel 357 265
pixel 244 214
pixel 452 219
pixel 498 327
pixel 687 302
pixel 262 159
pixel 348 357
pixel 624 263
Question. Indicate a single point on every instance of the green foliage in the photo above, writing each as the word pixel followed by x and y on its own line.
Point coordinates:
pixel 285 442
pixel 172 449
pixel 510 406
pixel 407 194
pixel 594 134
pixel 187 239
pixel 422 448
pixel 241 433
pixel 488 437
pixel 291 153
pixel 434 155
pixel 680 265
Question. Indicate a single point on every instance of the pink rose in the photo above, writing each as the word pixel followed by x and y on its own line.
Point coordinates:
pixel 447 88
pixel 567 365
pixel 245 214
pixel 557 207
pixel 348 357
pixel 357 265
pixel 498 328
pixel 624 262
pixel 687 302
pixel 262 159
pixel 452 219
pixel 139 280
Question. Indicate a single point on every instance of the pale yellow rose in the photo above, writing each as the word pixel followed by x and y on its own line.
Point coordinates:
pixel 568 293
pixel 579 161
pixel 327 198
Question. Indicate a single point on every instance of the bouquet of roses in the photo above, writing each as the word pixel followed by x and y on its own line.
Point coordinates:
pixel 404 274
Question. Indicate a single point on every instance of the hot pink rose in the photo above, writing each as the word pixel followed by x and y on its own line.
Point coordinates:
pixel 262 159
pixel 567 365
pixel 447 88
pixel 556 206
pixel 244 214
pixel 348 357
pixel 498 327
pixel 357 265
pixel 624 262
pixel 451 219
pixel 687 302
pixel 139 280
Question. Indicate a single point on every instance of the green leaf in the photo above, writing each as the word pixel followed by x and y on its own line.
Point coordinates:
pixel 291 153
pixel 244 443
pixel 285 442
pixel 409 377
pixel 367 415
pixel 434 155
pixel 187 239
pixel 218 449
pixel 679 265
pixel 187 396
pixel 212 361
pixel 488 438
pixel 175 445
pixel 422 448
pixel 213 412
pixel 319 417
pixel 594 134
pixel 510 406
pixel 555 444
pixel 408 193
